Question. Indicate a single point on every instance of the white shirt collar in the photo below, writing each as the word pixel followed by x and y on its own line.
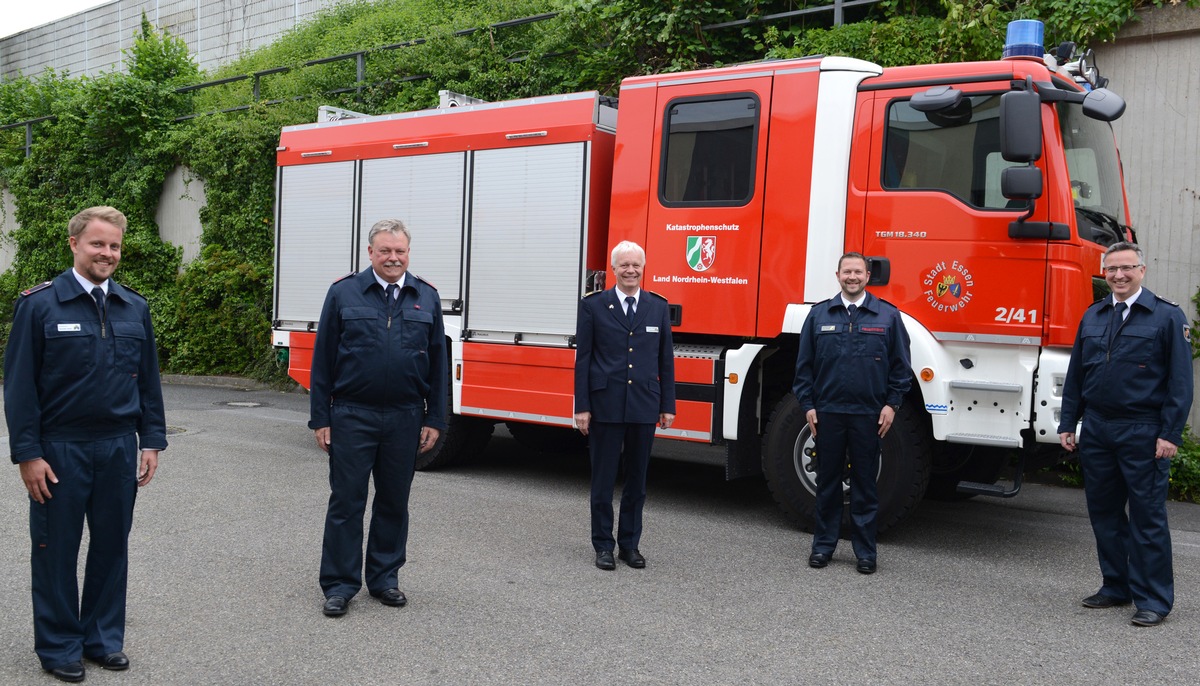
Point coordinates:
pixel 385 284
pixel 856 303
pixel 88 285
pixel 637 297
pixel 1128 302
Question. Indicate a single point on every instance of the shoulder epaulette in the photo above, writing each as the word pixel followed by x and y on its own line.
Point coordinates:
pixel 40 287
pixel 133 291
pixel 343 278
pixel 1162 299
pixel 422 281
pixel 590 294
pixel 660 297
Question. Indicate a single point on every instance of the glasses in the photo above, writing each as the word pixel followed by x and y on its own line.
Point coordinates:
pixel 1122 268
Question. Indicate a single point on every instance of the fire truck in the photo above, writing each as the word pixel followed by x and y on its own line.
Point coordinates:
pixel 983 195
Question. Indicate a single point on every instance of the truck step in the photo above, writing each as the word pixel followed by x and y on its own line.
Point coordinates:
pixel 984 439
pixel 996 490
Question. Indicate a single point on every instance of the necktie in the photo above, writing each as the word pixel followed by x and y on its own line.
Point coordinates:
pixel 98 294
pixel 629 310
pixel 1117 317
pixel 390 295
pixel 851 309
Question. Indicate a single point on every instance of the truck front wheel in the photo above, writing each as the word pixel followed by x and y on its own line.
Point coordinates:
pixel 789 464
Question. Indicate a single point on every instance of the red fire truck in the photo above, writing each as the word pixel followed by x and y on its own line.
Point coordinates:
pixel 983 194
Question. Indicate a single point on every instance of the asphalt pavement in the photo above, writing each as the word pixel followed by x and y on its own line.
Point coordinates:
pixel 502 589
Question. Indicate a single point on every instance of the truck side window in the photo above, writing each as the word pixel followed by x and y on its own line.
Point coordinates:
pixel 928 151
pixel 708 151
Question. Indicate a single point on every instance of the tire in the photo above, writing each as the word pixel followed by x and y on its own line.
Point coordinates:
pixel 464 439
pixel 547 439
pixel 789 466
pixel 953 462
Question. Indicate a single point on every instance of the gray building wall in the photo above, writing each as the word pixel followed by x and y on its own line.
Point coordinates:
pixel 91 42
pixel 1152 64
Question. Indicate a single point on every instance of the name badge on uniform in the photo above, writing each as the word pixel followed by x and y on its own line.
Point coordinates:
pixel 651 329
pixel 829 327
pixel 68 327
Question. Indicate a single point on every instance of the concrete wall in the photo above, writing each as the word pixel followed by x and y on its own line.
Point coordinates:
pixel 1152 64
pixel 178 212
pixel 91 42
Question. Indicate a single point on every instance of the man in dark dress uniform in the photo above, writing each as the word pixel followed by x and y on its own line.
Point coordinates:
pixel 624 388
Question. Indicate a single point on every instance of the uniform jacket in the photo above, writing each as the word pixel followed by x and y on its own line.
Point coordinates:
pixel 1145 376
pixel 852 368
pixel 380 355
pixel 70 377
pixel 624 376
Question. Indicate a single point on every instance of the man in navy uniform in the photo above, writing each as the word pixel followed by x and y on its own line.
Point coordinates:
pixel 81 390
pixel 1130 381
pixel 624 388
pixel 852 373
pixel 378 396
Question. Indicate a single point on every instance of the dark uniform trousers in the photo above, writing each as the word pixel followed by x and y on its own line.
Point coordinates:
pixel 842 437
pixel 1119 468
pixel 61 622
pixel 366 442
pixel 605 444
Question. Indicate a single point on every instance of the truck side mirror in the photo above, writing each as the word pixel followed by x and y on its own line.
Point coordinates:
pixel 1020 126
pixel 1103 104
pixel 1021 183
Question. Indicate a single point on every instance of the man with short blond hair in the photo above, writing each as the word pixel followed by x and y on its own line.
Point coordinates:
pixel 81 391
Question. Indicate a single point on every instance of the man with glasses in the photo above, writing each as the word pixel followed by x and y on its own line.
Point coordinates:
pixel 1130 381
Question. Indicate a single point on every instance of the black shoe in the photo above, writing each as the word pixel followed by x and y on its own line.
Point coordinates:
pixel 1146 618
pixel 604 560
pixel 393 597
pixel 115 662
pixel 335 606
pixel 818 560
pixel 865 566
pixel 1101 601
pixel 71 672
pixel 633 558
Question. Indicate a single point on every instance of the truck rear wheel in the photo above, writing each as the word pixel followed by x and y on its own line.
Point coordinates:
pixel 547 439
pixel 789 464
pixel 463 439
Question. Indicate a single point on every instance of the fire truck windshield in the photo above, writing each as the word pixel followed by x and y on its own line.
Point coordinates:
pixel 1095 174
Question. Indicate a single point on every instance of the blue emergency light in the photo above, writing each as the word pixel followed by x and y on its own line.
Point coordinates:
pixel 1025 38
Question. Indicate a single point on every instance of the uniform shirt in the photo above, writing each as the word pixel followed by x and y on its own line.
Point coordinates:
pixel 1146 375
pixel 852 368
pixel 380 355
pixel 70 377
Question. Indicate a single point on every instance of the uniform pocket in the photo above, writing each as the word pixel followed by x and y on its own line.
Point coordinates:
pixel 871 341
pixel 70 351
pixel 360 327
pixel 129 337
pixel 1136 344
pixel 417 328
